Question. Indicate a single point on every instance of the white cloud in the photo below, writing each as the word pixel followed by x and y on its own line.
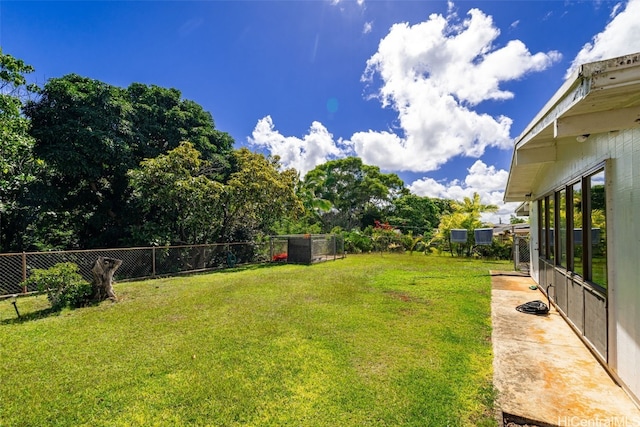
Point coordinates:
pixel 336 2
pixel 304 154
pixel 485 180
pixel 433 74
pixel 620 37
pixel 368 26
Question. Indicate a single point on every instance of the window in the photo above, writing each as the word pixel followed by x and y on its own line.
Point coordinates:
pixel 562 227
pixel 551 222
pixel 573 230
pixel 542 237
pixel 597 225
pixel 578 265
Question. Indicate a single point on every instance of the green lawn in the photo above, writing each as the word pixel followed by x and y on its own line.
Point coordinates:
pixel 371 340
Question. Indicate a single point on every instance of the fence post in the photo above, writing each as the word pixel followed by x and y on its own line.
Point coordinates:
pixel 335 247
pixel 24 271
pixel 271 248
pixel 153 261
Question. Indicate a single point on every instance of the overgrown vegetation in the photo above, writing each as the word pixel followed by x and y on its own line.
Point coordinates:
pixel 371 340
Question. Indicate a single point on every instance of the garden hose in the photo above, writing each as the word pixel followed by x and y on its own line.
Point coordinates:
pixel 535 307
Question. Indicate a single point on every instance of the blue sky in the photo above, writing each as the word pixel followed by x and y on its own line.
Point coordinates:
pixel 434 91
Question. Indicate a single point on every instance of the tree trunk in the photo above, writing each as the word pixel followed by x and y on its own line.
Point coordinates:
pixel 103 271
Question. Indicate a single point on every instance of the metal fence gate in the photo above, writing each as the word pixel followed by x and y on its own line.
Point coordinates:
pixel 521 253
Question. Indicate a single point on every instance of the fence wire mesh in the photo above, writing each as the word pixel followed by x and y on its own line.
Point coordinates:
pixel 521 253
pixel 137 263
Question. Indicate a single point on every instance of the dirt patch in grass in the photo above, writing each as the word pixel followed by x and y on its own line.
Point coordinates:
pixel 403 296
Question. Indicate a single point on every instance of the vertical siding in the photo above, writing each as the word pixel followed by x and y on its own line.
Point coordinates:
pixel 621 150
pixel 534 266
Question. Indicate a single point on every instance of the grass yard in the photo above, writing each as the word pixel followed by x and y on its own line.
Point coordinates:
pixel 371 340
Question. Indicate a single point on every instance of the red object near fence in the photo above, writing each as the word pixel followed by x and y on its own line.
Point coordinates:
pixel 280 257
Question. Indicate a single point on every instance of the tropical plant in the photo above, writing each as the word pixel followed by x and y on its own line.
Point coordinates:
pixel 466 215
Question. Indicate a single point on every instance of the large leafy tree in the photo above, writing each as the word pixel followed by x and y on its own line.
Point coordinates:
pixel 419 215
pixel 183 202
pixel 258 195
pixel 161 119
pixel 178 198
pixel 17 165
pixel 89 134
pixel 359 193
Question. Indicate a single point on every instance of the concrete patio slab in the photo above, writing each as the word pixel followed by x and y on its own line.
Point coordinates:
pixel 542 371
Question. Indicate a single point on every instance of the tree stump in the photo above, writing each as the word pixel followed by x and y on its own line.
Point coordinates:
pixel 103 271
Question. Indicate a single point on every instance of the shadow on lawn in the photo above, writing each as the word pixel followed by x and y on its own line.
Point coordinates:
pixel 248 267
pixel 34 315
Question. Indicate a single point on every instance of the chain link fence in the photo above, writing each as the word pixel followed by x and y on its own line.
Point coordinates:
pixel 137 263
pixel 521 253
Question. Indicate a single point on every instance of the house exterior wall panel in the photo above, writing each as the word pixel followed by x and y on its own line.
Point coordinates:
pixel 625 263
pixel 534 242
pixel 621 151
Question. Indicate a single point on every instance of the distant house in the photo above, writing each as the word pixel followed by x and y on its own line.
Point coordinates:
pixel 577 167
pixel 504 232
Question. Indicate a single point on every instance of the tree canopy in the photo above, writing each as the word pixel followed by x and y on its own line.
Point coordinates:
pixel 177 197
pixel 419 215
pixel 89 135
pixel 17 164
pixel 357 192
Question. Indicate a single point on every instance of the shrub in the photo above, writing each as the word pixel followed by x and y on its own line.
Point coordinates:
pixel 63 284
pixel 356 242
pixel 497 250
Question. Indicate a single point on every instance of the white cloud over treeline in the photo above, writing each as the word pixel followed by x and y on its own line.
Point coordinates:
pixel 433 75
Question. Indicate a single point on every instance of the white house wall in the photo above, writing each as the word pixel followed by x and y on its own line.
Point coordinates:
pixel 620 151
pixel 534 266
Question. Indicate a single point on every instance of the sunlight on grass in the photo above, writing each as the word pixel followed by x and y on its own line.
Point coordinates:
pixel 369 340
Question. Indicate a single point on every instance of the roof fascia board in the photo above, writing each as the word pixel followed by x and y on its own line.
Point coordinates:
pixel 569 95
pixel 609 73
pixel 538 124
pixel 598 122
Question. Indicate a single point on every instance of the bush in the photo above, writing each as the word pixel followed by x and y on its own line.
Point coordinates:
pixel 497 250
pixel 356 242
pixel 63 284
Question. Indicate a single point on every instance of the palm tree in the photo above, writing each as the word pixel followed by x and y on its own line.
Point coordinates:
pixel 473 208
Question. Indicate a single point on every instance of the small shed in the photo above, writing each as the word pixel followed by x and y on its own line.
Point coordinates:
pixel 307 248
